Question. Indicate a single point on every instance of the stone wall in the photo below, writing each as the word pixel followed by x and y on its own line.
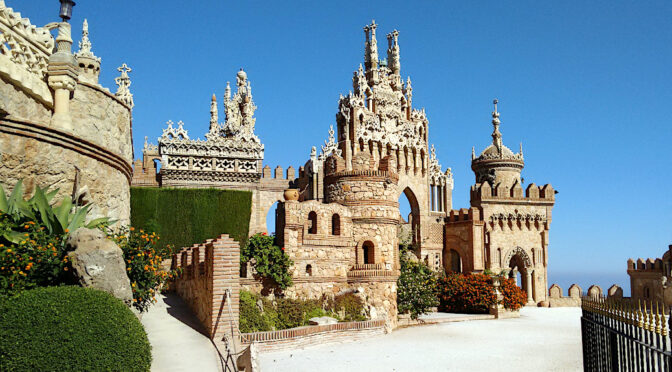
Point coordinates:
pixel 314 335
pixel 209 284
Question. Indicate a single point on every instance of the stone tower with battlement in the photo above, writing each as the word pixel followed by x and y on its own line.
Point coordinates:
pixel 506 228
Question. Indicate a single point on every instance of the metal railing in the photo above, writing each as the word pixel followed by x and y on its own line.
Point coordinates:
pixel 620 335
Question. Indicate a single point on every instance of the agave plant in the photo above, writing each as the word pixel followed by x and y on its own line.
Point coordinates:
pixel 57 219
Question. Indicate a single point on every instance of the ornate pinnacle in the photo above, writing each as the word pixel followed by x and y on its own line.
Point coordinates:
pixel 123 85
pixel 496 135
pixel 227 92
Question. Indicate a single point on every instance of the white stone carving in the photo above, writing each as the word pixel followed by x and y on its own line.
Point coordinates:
pixel 239 110
pixel 231 152
pixel 123 85
pixel 330 146
pixel 178 133
pixel 436 175
pixel 85 44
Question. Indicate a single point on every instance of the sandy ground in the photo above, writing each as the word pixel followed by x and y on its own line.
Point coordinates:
pixel 540 340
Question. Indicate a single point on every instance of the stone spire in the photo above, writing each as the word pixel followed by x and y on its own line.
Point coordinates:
pixel 214 126
pixel 89 64
pixel 371 49
pixel 227 92
pixel 393 61
pixel 123 85
pixel 496 134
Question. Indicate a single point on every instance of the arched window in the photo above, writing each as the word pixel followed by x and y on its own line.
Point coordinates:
pixel 309 270
pixel 312 217
pixel 455 262
pixel 368 253
pixel 335 224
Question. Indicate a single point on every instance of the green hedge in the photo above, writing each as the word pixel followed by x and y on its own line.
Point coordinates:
pixel 70 329
pixel 183 217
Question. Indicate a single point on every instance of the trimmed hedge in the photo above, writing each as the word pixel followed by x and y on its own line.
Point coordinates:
pixel 183 217
pixel 70 329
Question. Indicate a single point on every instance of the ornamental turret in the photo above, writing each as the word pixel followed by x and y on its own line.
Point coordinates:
pixel 89 64
pixel 497 163
pixel 371 47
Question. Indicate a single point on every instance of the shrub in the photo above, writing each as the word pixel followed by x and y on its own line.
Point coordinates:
pixel 187 216
pixel 350 307
pixel 286 313
pixel 32 239
pixel 143 264
pixel 514 296
pixel 416 287
pixel 269 261
pixel 469 293
pixel 251 317
pixel 70 328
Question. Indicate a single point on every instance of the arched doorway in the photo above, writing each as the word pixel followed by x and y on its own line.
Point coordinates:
pixel 521 269
pixel 270 218
pixel 368 253
pixel 455 261
pixel 409 211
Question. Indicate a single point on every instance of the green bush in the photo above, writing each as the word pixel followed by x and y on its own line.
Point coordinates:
pixel 70 329
pixel 417 290
pixel 269 261
pixel 251 317
pixel 284 313
pixel 350 307
pixel 183 217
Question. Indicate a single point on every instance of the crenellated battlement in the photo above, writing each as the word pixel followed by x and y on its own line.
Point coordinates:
pixel 648 265
pixel 463 214
pixel 533 193
pixel 278 173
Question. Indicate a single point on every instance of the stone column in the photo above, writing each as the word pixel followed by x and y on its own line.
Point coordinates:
pixel 528 277
pixel 62 76
pixel 515 276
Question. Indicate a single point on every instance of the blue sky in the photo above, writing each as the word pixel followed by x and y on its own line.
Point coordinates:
pixel 584 85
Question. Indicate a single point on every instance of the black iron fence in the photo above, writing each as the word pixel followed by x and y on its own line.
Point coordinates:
pixel 619 335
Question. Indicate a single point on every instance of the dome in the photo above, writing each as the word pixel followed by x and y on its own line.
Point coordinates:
pixel 492 152
pixel 242 74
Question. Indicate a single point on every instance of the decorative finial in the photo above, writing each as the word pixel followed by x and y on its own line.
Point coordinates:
pixel 123 84
pixel 496 135
pixel 473 153
pixel 214 98
pixel 227 92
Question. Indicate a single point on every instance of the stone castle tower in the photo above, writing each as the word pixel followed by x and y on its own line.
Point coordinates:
pixel 506 228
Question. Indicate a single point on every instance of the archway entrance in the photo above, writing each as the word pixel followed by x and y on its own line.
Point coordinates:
pixel 270 218
pixel 409 211
pixel 522 271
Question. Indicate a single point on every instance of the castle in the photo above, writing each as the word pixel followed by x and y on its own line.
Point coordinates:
pixel 651 280
pixel 340 228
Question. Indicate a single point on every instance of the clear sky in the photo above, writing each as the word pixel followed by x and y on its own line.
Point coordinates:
pixel 584 85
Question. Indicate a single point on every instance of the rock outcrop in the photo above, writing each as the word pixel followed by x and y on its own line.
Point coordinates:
pixel 99 263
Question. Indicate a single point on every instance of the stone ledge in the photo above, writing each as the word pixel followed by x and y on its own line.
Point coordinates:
pixel 66 140
pixel 311 335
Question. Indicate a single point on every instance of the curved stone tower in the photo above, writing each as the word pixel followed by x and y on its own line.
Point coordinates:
pixel 60 128
pixel 371 195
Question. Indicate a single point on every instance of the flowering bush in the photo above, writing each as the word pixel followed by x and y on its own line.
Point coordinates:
pixel 469 293
pixel 37 259
pixel 514 296
pixel 143 264
pixel 474 293
pixel 416 287
pixel 269 261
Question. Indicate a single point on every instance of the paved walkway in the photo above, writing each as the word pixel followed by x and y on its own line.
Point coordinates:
pixel 177 345
pixel 541 339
